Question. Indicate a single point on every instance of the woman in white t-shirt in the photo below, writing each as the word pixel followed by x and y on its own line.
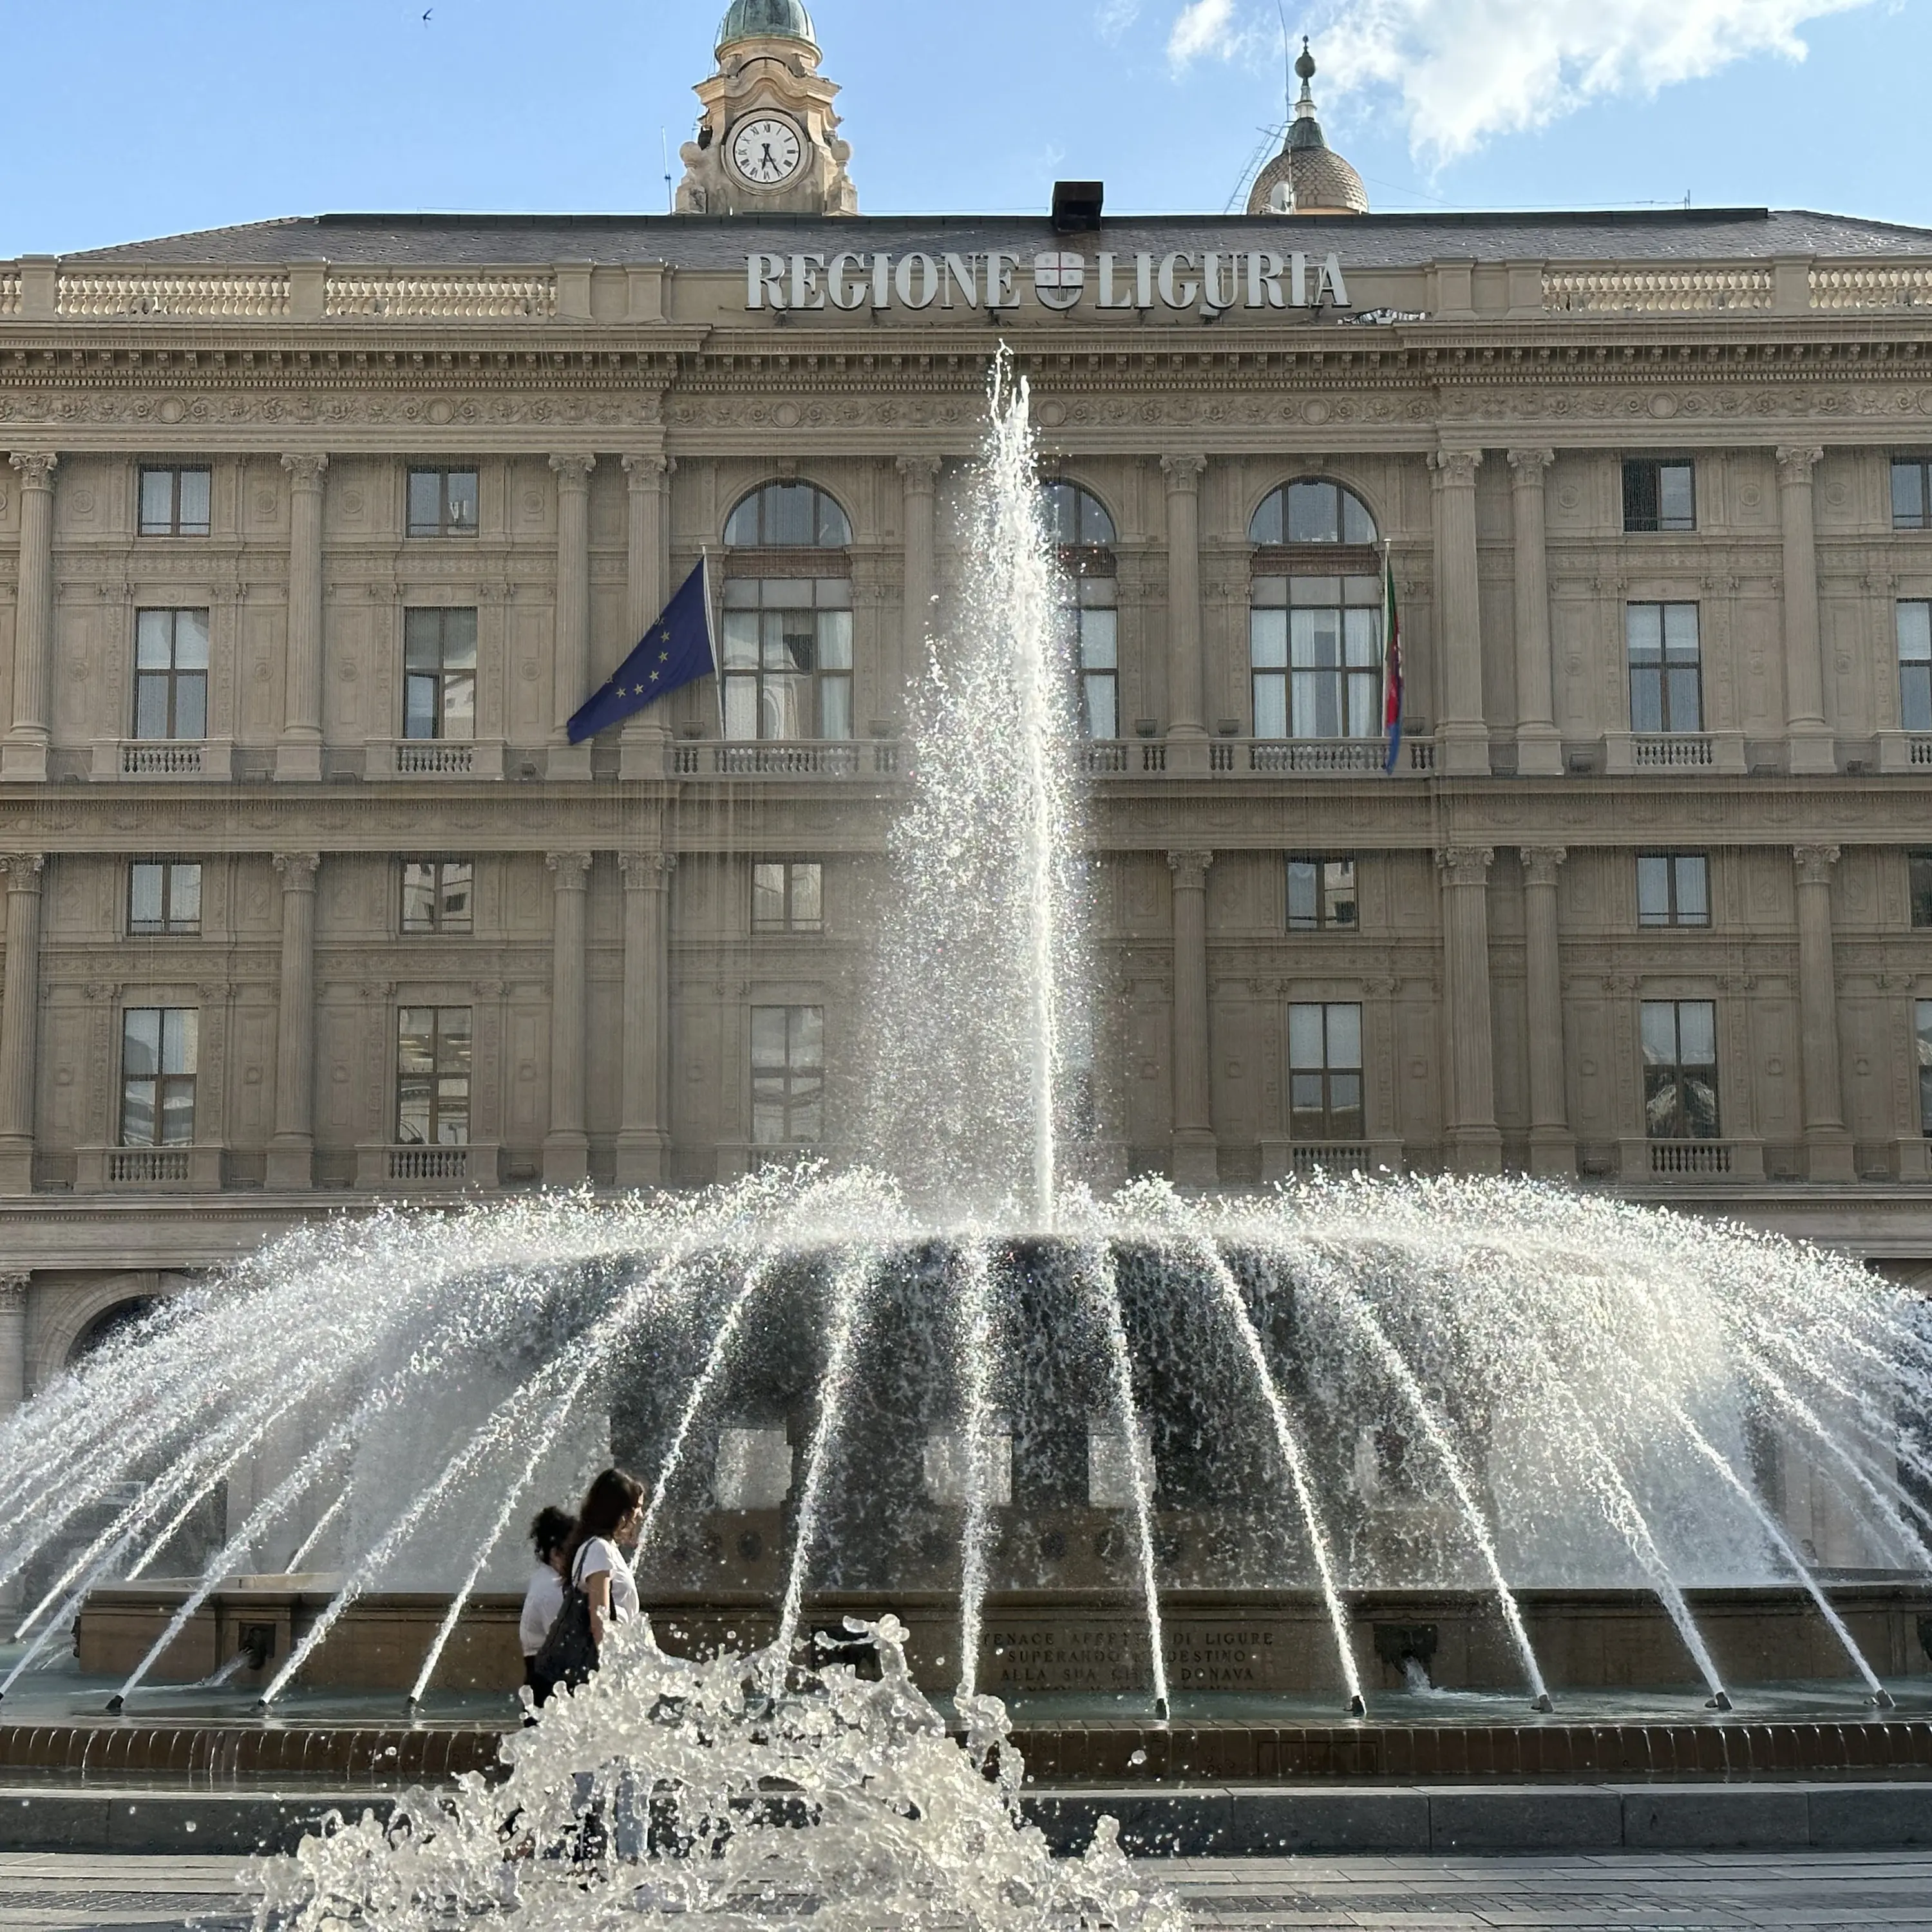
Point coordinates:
pixel 607 1525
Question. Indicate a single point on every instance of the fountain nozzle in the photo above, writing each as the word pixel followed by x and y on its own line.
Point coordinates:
pixel 1358 1705
pixel 1160 1709
pixel 1719 1700
pixel 1883 1700
pixel 1540 1703
pixel 115 1704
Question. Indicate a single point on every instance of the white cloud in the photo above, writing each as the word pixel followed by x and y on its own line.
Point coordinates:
pixel 1466 70
pixel 1203 27
pixel 1112 18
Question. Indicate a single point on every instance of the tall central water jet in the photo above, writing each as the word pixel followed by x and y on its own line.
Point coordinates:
pixel 976 989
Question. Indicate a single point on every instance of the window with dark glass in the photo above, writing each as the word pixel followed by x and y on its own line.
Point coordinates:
pixel 163 898
pixel 439 673
pixel 1925 1049
pixel 443 503
pixel 1083 536
pixel 1320 894
pixel 788 516
pixel 438 895
pixel 433 1071
pixel 174 503
pixel 788 1075
pixel 1324 1072
pixel 1912 493
pixel 1666 680
pixel 1315 618
pixel 1918 872
pixel 1660 495
pixel 1914 666
pixel 787 642
pixel 158 1068
pixel 787 897
pixel 1680 1069
pixel 171 674
pixel 1673 888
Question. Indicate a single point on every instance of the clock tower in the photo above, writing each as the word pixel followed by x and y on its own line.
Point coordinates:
pixel 767 139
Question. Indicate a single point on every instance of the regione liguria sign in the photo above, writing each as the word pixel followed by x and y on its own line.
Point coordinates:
pixel 1209 280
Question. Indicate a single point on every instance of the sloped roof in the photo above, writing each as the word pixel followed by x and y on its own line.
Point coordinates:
pixel 699 241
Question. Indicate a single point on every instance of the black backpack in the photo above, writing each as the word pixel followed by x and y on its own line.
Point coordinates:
pixel 569 1652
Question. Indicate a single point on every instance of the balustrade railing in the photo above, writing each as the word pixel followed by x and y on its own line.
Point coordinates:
pixel 146 1166
pixel 1871 288
pixel 164 758
pixel 113 294
pixel 1692 1157
pixel 772 758
pixel 1672 750
pixel 1655 292
pixel 408 297
pixel 433 758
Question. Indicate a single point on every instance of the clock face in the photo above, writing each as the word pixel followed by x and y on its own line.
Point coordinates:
pixel 766 152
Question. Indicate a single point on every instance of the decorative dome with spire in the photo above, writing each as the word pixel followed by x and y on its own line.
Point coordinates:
pixel 1307 177
pixel 767 19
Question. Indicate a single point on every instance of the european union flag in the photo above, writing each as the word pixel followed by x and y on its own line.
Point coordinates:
pixel 677 650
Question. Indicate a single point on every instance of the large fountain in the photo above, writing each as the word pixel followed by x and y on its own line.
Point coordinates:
pixel 1003 1440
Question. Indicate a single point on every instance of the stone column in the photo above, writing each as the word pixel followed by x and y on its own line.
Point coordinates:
pixel 1475 1143
pixel 19 1021
pixel 299 754
pixel 1462 734
pixel 292 1152
pixel 572 671
pixel 13 1342
pixel 644 1130
pixel 921 480
pixel 1552 1147
pixel 567 1146
pixel 1195 1164
pixel 23 753
pixel 1829 1151
pixel 647 589
pixel 1539 751
pixel 1812 748
pixel 1186 670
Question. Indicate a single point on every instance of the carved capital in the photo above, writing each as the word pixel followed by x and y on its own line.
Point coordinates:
pixel 305 471
pixel 921 473
pixel 1620 986
pixel 648 473
pixel 1795 462
pixel 1456 468
pixel 1466 864
pixel 572 870
pixel 298 870
pixel 1540 863
pixel 36 467
pixel 1528 466
pixel 1183 473
pixel 647 871
pixel 23 870
pixel 1815 863
pixel 573 473
pixel 1190 870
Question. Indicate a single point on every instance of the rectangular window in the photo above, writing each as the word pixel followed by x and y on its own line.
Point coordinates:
pixel 1911 492
pixel 438 895
pixel 157 1058
pixel 1093 605
pixel 788 1075
pixel 1925 1067
pixel 163 898
pixel 442 503
pixel 1667 683
pixel 1673 888
pixel 787 897
pixel 1315 655
pixel 439 673
pixel 1324 1072
pixel 787 658
pixel 1320 894
pixel 433 1076
pixel 1918 871
pixel 174 503
pixel 1680 1069
pixel 1914 666
pixel 171 673
pixel 1660 495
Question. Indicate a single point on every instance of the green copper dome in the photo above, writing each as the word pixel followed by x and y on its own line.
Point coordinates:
pixel 773 19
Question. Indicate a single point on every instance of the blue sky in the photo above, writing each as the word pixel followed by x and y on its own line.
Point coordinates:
pixel 128 120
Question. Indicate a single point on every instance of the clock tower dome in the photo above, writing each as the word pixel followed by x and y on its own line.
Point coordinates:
pixel 767 140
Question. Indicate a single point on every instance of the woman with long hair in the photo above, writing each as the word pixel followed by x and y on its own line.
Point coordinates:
pixel 608 1524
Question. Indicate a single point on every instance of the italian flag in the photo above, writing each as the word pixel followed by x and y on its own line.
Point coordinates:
pixel 1391 665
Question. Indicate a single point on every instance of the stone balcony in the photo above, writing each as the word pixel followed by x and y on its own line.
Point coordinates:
pixel 194 760
pixel 787 758
pixel 386 759
pixel 145 1170
pixel 413 1168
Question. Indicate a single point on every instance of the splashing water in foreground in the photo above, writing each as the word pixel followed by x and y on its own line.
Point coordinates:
pixel 668 1790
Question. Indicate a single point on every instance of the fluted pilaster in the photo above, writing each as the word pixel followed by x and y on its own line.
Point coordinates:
pixel 23 753
pixel 567 1145
pixel 292 1152
pixel 1552 1147
pixel 1539 751
pixel 647 589
pixel 299 754
pixel 1829 1151
pixel 1475 1142
pixel 1186 670
pixel 1195 1161
pixel 1812 748
pixel 644 1132
pixel 19 1021
pixel 572 669
pixel 921 475
pixel 1462 736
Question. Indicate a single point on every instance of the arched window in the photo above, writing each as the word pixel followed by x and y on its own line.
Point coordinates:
pixel 1314 618
pixel 1083 532
pixel 787 643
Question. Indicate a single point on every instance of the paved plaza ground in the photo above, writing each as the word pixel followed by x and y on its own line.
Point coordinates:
pixel 1722 1892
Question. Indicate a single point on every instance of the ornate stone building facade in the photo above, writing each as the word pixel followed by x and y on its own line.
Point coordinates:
pixel 314 534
